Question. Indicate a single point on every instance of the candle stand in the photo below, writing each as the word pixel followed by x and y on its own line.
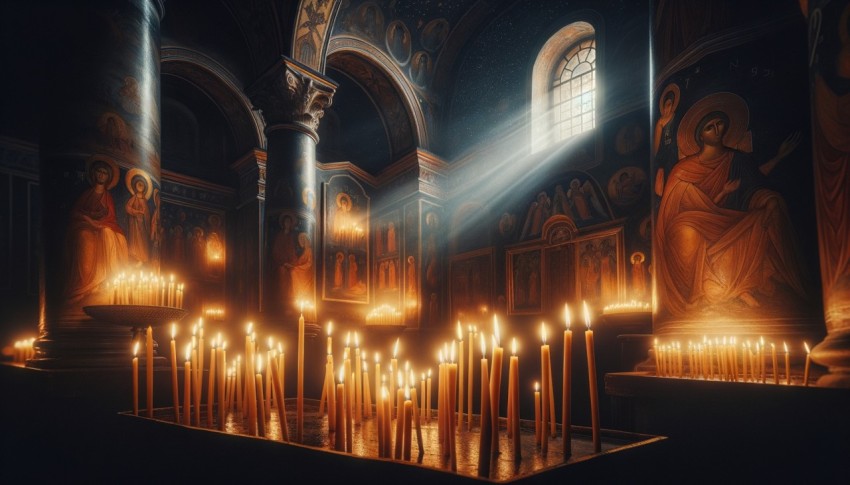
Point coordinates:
pixel 622 453
pixel 137 317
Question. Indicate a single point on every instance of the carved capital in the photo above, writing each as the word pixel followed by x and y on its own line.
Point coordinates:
pixel 291 93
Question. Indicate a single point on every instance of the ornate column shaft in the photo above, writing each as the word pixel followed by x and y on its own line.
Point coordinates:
pixel 292 98
pixel 829 71
pixel 99 170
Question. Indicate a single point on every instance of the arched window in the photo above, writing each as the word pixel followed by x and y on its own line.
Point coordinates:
pixel 563 87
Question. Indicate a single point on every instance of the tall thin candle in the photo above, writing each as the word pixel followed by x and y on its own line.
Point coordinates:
pixel 136 379
pixel 187 387
pixel 460 368
pixel 393 369
pixel 211 384
pixel 452 404
pixel 566 390
pixel 808 364
pixel 339 433
pixel 221 372
pixel 299 409
pixel 470 380
pixel 358 381
pixel 485 442
pixel 787 365
pixel 149 369
pixel 591 377
pixel 514 402
pixel 175 391
pixel 495 386
pixel 258 380
pixel 544 370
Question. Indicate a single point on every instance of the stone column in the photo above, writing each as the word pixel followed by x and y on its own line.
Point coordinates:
pixel 99 171
pixel 249 225
pixel 829 69
pixel 292 98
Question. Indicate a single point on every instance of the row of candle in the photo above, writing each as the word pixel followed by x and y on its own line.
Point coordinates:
pixel 384 315
pixel 23 350
pixel 147 289
pixel 725 359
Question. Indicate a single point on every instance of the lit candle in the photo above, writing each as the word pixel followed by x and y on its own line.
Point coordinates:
pixel 339 433
pixel 537 421
pixel 428 397
pixel 470 380
pixel 180 295
pixel 544 370
pixel 221 373
pixel 258 381
pixel 762 365
pixel 460 362
pixel 171 299
pixel 379 411
pixel 196 384
pixel 452 405
pixel 211 385
pixel 775 367
pixel 250 388
pixel 327 387
pixel 377 383
pixel 393 369
pixel 495 387
pixel 591 377
pixel 367 392
pixel 200 369
pixel 485 442
pixel 787 365
pixel 387 419
pixel 422 393
pixel 136 379
pixel 187 387
pixel 566 390
pixel 808 364
pixel 441 406
pixel 239 389
pixel 299 409
pixel 174 387
pixel 399 425
pixel 358 382
pixel 407 417
pixel 268 384
pixel 349 404
pixel 413 397
pixel 149 369
pixel 513 400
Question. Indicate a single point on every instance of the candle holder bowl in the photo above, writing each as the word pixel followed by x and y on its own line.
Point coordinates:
pixel 137 317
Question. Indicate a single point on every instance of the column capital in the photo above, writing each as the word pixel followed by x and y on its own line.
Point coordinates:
pixel 291 95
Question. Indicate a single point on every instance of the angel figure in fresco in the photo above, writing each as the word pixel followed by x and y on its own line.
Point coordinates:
pixel 638 260
pixel 722 235
pixel 585 202
pixel 538 212
pixel 138 215
pixel 96 246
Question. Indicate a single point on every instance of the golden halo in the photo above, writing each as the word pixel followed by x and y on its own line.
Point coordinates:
pixel 729 103
pixel 639 256
pixel 114 173
pixel 137 172
pixel 676 96
pixel 342 196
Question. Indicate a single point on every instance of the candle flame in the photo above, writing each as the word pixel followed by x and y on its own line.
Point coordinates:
pixel 423 376
pixel 259 363
pixel 407 394
pixel 270 343
pixel 483 346
pixel 365 364
pixel 224 345
pixel 356 340
pixel 302 306
pixel 330 328
pixel 377 357
pixel 194 329
pixel 429 373
pixel 496 331
pixel 543 331
pixel 459 331
pixel 513 346
pixel 567 316
pixel 406 365
pixel 280 347
pixel 347 339
pixel 342 374
pixel 395 348
pixel 400 379
pixel 188 352
pixel 586 314
pixel 384 393
pixel 173 330
pixel 536 386
pixel 440 355
pixel 785 344
pixel 136 348
pixel 806 346
pixel 249 328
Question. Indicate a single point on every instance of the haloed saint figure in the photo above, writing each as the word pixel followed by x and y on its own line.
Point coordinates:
pixel 724 237
pixel 96 248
